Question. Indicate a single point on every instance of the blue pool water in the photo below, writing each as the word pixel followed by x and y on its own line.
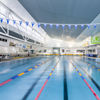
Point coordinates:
pixel 64 84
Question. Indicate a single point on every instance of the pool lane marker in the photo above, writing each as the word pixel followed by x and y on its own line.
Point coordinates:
pixel 93 66
pixel 93 61
pixel 89 64
pixel 30 69
pixel 98 87
pixel 97 97
pixel 65 83
pixel 39 93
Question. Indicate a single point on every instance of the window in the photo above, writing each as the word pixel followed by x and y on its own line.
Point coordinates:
pixel 93 50
pixel 63 50
pixel 40 51
pixel 3 40
pixel 44 50
pixel 67 50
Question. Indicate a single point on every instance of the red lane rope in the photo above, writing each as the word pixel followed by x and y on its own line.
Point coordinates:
pixel 41 90
pixel 46 82
pixel 92 90
pixel 5 82
pixel 28 70
pixel 97 97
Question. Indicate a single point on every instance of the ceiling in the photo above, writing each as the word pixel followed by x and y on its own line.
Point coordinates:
pixel 62 11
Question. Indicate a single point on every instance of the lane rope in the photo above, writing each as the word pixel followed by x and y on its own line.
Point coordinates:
pixel 97 97
pixel 95 83
pixel 90 65
pixel 39 93
pixel 20 74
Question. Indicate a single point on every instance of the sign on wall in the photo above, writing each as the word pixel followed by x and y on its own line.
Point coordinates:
pixel 12 44
pixel 95 39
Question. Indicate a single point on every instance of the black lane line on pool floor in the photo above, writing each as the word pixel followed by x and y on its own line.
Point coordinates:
pixel 65 83
pixel 35 83
pixel 98 87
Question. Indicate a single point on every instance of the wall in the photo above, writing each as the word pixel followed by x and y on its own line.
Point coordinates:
pixel 14 47
pixel 63 51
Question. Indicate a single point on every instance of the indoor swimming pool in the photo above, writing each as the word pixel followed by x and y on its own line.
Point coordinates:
pixel 50 78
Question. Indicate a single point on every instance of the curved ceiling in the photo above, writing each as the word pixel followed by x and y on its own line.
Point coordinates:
pixel 63 11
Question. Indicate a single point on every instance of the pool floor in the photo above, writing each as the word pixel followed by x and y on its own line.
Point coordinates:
pixel 50 78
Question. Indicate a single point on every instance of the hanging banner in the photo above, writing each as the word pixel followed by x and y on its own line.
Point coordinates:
pixel 20 22
pixel 95 39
